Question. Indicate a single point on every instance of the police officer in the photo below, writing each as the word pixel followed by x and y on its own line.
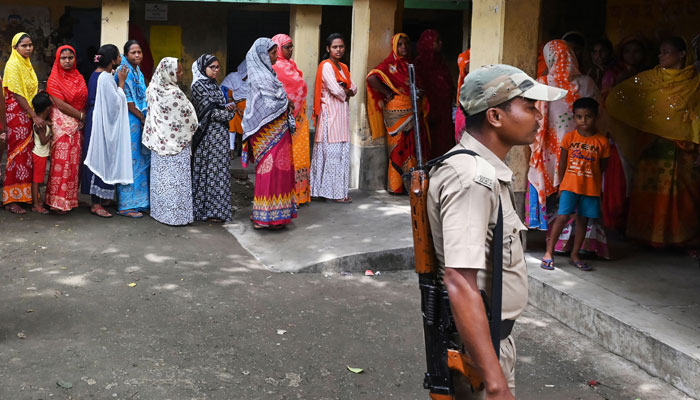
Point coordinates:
pixel 463 201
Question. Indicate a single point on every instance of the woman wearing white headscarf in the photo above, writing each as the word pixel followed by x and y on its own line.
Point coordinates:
pixel 170 123
pixel 211 178
pixel 267 123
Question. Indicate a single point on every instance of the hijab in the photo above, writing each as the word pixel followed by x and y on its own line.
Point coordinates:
pixel 68 86
pixel 20 77
pixel 267 99
pixel 206 95
pixel 237 82
pixel 290 75
pixel 171 119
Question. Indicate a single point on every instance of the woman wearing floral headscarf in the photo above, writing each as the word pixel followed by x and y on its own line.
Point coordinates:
pixel 170 123
pixel 291 77
pixel 69 94
pixel 20 85
pixel 439 90
pixel 211 178
pixel 266 134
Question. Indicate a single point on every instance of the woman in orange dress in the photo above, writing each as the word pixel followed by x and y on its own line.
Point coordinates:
pixel 295 86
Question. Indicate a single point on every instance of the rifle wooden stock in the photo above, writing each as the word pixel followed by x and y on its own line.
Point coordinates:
pixel 462 363
pixel 426 262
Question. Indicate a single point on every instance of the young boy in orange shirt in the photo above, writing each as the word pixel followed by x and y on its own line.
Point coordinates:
pixel 584 156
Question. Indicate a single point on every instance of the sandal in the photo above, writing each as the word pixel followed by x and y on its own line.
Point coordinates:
pixel 41 210
pixel 547 264
pixel 346 200
pixel 581 265
pixel 15 209
pixel 130 213
pixel 100 212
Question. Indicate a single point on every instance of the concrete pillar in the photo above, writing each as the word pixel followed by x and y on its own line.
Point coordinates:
pixel 466 29
pixel 506 32
pixel 305 30
pixel 372 28
pixel 115 22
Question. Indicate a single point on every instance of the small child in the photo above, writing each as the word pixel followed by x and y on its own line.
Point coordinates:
pixel 584 156
pixel 42 148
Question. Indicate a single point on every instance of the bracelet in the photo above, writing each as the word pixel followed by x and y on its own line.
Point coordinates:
pixel 82 116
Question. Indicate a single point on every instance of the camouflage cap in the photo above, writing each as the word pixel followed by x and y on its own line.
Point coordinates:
pixel 494 84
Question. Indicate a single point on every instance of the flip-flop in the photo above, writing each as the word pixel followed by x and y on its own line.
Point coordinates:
pixel 581 265
pixel 346 200
pixel 130 213
pixel 43 211
pixel 101 212
pixel 547 264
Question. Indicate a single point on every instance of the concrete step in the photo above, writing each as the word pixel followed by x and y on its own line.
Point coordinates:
pixel 656 343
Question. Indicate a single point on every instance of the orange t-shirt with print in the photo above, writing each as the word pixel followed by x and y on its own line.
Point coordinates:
pixel 583 173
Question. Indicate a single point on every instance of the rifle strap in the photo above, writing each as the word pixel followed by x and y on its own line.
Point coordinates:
pixel 496 261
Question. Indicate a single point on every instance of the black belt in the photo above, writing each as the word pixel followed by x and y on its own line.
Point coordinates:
pixel 506 327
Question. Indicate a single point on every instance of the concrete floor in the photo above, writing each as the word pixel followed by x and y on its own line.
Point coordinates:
pixel 205 320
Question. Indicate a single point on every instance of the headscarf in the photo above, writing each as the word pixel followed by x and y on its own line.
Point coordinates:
pixel 267 99
pixel 290 75
pixel 557 116
pixel 134 86
pixel 463 64
pixel 68 86
pixel 20 77
pixel 393 72
pixel 199 68
pixel 109 151
pixel 235 81
pixel 208 96
pixel 433 69
pixel 661 101
pixel 171 120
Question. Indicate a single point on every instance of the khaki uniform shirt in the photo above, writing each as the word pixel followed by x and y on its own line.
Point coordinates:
pixel 463 209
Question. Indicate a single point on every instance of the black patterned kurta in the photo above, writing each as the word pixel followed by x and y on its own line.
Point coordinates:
pixel 211 177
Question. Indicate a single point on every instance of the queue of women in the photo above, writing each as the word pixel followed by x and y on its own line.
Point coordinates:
pixel 142 148
pixel 149 149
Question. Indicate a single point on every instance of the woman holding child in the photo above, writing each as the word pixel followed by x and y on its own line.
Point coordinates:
pixel 20 86
pixel 69 96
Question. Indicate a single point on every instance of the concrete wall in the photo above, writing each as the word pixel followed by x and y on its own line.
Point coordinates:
pixel 198 37
pixel 506 31
pixel 372 29
pixel 305 30
pixel 115 22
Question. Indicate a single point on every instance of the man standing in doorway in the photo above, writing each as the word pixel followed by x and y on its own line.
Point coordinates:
pixel 465 192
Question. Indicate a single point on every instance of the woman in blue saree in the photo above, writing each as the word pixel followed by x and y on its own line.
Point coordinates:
pixel 134 198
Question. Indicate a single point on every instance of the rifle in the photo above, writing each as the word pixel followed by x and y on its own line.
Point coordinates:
pixel 443 353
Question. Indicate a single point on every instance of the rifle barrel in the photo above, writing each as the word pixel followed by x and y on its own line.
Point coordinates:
pixel 416 123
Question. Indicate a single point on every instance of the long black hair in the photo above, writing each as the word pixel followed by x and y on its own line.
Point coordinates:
pixel 128 44
pixel 106 54
pixel 329 42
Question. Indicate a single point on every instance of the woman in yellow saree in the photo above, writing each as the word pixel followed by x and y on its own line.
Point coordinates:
pixel 664 104
pixel 389 110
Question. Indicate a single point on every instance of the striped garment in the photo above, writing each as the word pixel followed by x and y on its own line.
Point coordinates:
pixel 335 106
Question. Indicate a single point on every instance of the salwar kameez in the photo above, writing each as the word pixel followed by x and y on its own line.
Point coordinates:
pixel 330 168
pixel 89 182
pixel 17 187
pixel 211 175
